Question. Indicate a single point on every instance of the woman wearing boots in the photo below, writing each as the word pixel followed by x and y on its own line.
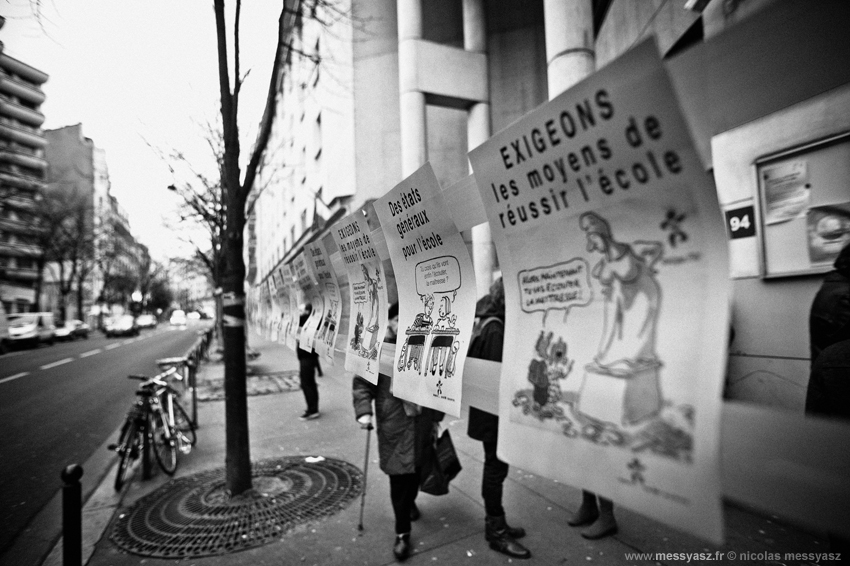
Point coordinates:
pixel 601 519
pixel 487 345
pixel 403 430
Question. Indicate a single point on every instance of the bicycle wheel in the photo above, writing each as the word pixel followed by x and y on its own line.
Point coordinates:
pixel 164 443
pixel 183 424
pixel 128 451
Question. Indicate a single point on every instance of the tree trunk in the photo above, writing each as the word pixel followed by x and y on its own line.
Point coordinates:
pixel 238 460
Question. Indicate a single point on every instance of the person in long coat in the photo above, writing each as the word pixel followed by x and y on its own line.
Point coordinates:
pixel 487 344
pixel 404 430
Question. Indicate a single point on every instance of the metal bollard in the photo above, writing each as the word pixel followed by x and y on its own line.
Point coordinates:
pixel 72 516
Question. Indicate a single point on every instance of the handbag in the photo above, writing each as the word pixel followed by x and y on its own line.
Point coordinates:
pixel 440 466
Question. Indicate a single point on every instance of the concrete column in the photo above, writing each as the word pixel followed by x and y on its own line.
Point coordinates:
pixel 477 132
pixel 414 132
pixel 570 53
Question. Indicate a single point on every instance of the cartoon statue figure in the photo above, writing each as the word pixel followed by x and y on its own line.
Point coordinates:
pixel 623 384
pixel 357 339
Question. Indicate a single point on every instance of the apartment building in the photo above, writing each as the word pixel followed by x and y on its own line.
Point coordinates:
pixel 22 177
pixel 78 168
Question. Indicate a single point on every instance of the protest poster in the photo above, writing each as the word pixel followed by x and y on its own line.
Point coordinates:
pixel 436 292
pixel 307 282
pixel 368 305
pixel 283 303
pixel 274 308
pixel 612 247
pixel 291 336
pixel 325 338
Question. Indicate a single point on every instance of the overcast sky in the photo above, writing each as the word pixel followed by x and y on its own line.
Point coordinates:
pixel 133 71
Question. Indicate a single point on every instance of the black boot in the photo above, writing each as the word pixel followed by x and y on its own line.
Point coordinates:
pixel 401 548
pixel 587 513
pixel 496 533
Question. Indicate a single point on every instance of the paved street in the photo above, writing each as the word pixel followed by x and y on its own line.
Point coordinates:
pixel 60 403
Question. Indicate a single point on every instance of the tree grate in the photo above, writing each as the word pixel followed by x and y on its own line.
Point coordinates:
pixel 193 516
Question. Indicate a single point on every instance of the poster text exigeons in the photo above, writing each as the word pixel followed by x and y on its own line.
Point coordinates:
pixel 553 184
pixel 352 246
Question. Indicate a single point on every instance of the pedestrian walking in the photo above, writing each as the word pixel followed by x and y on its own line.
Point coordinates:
pixel 404 429
pixel 487 344
pixel 308 362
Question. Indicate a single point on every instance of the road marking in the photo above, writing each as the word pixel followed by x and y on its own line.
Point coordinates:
pixel 59 363
pixel 90 353
pixel 16 376
pixel 112 346
pixel 130 341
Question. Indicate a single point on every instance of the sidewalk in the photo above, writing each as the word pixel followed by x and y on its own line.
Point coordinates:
pixel 451 529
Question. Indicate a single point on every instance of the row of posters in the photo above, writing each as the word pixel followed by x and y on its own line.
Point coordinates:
pixel 612 249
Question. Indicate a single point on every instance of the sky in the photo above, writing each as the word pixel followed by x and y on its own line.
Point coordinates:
pixel 142 79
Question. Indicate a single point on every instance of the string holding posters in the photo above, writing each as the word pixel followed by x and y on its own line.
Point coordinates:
pixel 323 342
pixel 291 335
pixel 369 303
pixel 612 247
pixel 436 290
pixel 307 282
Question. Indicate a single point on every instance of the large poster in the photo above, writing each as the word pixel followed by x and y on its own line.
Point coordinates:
pixel 308 284
pixel 612 246
pixel 284 306
pixel 436 290
pixel 368 305
pixel 291 336
pixel 325 338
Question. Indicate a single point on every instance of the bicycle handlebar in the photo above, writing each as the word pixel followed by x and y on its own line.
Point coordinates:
pixel 158 379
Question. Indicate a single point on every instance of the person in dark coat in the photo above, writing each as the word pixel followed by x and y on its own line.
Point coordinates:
pixel 487 344
pixel 404 429
pixel 308 362
pixel 829 318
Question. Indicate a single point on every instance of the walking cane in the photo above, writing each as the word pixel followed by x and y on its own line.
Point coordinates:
pixel 365 472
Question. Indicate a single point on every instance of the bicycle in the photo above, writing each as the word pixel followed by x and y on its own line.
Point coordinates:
pixel 156 420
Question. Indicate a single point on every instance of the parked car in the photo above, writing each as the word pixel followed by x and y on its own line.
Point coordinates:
pixel 32 328
pixel 124 325
pixel 178 318
pixel 146 321
pixel 194 315
pixel 5 342
pixel 72 329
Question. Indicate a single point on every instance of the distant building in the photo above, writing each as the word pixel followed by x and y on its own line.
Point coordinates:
pixel 22 177
pixel 78 167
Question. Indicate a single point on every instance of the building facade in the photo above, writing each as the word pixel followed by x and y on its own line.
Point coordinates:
pixel 78 169
pixel 404 82
pixel 22 177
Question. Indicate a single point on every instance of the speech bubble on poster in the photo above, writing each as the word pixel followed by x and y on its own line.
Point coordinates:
pixel 358 292
pixel 438 275
pixel 555 287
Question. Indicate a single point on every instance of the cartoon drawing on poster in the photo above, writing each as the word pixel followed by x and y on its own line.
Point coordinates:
pixel 436 292
pixel 368 308
pixel 613 252
pixel 327 286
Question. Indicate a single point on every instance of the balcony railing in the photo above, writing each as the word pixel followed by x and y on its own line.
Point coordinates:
pixel 24 136
pixel 22 90
pixel 22 158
